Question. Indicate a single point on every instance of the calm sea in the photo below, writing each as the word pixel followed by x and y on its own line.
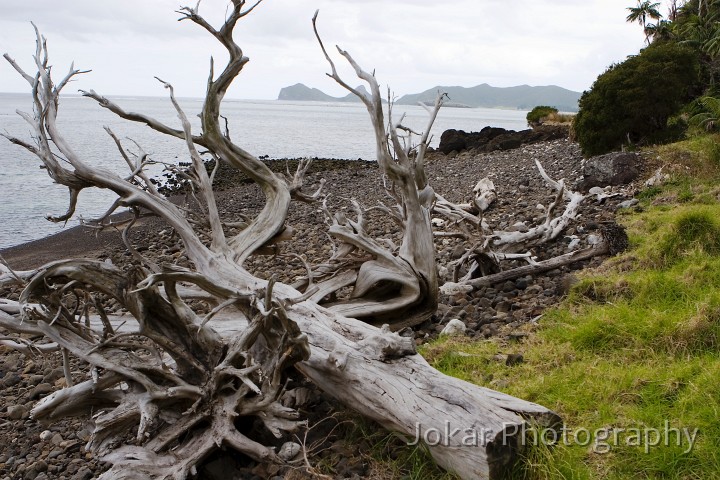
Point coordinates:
pixel 277 129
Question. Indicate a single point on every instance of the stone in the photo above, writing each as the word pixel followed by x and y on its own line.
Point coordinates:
pixel 454 328
pixel 289 451
pixel 514 359
pixel 628 203
pixel 55 454
pixel 617 168
pixel 573 243
pixel 40 390
pixel 83 473
pixel 17 412
pixel 11 379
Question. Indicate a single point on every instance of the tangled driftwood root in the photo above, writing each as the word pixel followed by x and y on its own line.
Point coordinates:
pixel 198 352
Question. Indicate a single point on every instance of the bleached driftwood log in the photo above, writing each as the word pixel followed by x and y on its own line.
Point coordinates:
pixel 182 373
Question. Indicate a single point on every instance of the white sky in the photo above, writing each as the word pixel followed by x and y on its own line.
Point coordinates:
pixel 413 45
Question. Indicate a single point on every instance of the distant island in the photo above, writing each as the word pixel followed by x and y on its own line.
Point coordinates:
pixel 521 97
pixel 300 92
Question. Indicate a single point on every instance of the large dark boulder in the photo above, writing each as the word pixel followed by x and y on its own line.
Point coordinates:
pixel 617 168
pixel 490 139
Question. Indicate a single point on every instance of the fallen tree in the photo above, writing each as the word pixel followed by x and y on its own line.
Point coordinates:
pixel 198 352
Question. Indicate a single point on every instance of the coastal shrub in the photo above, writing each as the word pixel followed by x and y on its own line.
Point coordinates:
pixel 536 116
pixel 560 118
pixel 632 101
pixel 706 112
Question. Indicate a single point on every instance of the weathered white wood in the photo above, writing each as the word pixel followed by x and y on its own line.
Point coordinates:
pixel 485 194
pixel 403 393
pixel 539 267
pixel 180 379
pixel 413 268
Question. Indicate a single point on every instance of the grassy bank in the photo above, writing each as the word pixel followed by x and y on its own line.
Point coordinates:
pixel 630 359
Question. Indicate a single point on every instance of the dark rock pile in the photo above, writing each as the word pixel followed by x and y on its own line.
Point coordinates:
pixel 491 139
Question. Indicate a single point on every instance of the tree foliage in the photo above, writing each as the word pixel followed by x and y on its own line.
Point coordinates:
pixel 632 101
pixel 673 78
pixel 641 13
pixel 538 114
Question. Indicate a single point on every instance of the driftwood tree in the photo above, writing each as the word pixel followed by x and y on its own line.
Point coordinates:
pixel 486 247
pixel 184 378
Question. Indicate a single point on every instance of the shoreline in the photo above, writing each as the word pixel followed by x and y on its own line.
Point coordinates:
pixel 77 240
pixel 499 310
pixel 70 243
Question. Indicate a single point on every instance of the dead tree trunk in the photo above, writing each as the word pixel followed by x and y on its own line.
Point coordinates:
pixel 182 378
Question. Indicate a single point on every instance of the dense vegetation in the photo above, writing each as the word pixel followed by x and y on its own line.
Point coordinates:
pixel 539 113
pixel 659 94
pixel 633 101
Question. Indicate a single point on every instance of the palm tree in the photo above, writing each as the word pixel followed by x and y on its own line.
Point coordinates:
pixel 641 13
pixel 710 114
pixel 659 31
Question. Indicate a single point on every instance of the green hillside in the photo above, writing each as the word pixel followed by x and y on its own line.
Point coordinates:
pixel 521 97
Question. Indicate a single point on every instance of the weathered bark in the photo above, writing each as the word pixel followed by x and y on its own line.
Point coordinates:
pixel 181 377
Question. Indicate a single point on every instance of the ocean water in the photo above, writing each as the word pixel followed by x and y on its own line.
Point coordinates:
pixel 278 129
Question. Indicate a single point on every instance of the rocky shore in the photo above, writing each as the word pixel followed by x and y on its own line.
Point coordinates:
pixel 31 452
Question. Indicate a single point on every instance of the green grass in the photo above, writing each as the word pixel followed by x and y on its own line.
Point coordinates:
pixel 389 455
pixel 635 345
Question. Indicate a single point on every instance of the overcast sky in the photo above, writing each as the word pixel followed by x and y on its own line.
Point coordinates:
pixel 412 45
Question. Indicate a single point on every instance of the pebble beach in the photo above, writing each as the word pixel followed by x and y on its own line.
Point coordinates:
pixel 36 452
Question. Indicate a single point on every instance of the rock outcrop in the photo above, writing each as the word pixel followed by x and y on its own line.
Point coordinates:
pixel 491 139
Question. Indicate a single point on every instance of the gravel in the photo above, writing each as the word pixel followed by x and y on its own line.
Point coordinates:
pixel 29 453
